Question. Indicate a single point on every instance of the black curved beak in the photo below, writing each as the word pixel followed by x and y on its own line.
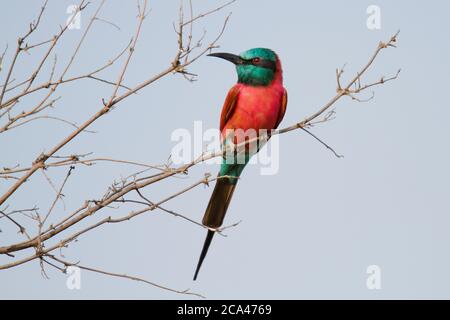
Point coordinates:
pixel 228 56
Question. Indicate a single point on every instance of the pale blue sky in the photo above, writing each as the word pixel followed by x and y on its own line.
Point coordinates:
pixel 309 231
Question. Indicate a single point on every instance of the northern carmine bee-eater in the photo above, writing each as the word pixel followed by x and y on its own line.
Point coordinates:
pixel 257 102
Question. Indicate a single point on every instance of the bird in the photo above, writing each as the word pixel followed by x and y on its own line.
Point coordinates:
pixel 256 102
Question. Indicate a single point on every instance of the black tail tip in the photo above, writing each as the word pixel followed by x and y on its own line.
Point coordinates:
pixel 208 240
pixel 196 272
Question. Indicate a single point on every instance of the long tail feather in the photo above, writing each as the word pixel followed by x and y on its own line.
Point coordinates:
pixel 209 237
pixel 215 213
pixel 218 203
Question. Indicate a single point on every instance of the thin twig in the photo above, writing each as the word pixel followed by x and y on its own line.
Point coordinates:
pixel 125 276
pixel 322 142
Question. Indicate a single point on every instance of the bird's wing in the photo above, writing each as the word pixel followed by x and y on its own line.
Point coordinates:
pixel 228 106
pixel 282 111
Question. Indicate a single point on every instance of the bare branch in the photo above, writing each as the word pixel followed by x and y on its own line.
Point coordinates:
pixel 59 194
pixel 202 15
pixel 21 228
pixel 33 27
pixel 323 143
pixel 125 276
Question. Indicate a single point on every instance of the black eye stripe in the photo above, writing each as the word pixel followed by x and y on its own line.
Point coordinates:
pixel 269 64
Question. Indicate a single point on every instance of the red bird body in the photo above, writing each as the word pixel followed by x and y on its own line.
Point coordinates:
pixel 255 107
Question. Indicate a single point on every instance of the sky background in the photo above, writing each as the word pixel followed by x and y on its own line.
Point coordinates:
pixel 309 231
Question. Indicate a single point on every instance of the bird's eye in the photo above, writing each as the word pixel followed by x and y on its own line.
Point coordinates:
pixel 256 60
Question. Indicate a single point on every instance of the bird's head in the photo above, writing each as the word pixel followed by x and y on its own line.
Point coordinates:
pixel 256 67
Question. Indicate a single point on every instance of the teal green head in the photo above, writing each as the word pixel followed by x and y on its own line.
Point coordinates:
pixel 256 67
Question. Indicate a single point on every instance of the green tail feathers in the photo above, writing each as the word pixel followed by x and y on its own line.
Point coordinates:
pixel 218 204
